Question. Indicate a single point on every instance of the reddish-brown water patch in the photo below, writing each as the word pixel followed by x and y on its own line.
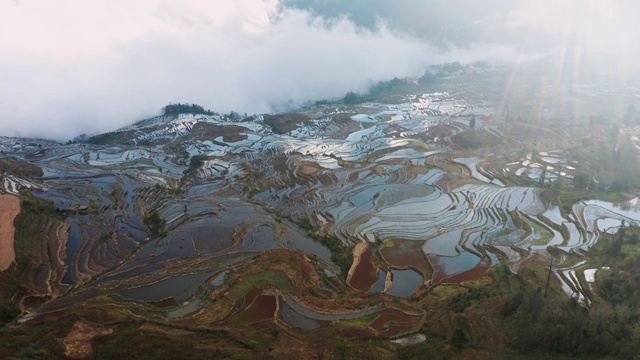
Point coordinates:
pixel 308 169
pixel 406 253
pixel 463 267
pixel 262 308
pixel 365 274
pixel 397 330
pixel 47 316
pixel 250 297
pixel 476 273
pixel 391 315
pixel 165 303
pixel 394 322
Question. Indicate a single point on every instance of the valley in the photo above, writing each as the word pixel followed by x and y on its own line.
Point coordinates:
pixel 344 228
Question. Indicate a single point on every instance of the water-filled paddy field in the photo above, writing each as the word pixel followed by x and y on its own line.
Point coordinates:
pixel 384 175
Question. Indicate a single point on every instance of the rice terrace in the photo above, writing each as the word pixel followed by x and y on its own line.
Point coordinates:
pixel 466 216
pixel 468 209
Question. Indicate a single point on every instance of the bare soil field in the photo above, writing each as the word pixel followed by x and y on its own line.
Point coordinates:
pixel 78 343
pixel 9 208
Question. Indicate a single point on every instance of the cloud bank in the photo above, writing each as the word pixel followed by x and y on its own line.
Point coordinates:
pixel 73 66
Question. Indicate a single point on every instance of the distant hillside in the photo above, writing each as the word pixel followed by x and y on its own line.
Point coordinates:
pixel 172 127
pixel 175 109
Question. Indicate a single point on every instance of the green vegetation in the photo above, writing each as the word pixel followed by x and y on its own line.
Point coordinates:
pixel 459 337
pixel 561 193
pixel 112 138
pixel 558 325
pixel 19 280
pixel 129 339
pixel 267 278
pixel 340 253
pixel 473 139
pixel 382 88
pixel 284 123
pixel 155 224
pixel 175 109
pixel 196 162
pixel 20 343
pixel 19 168
pixel 611 157
pixel 8 312
pixel 463 300
pixel 561 327
pixel 620 283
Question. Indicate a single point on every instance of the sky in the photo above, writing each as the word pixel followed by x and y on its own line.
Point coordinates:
pixel 75 66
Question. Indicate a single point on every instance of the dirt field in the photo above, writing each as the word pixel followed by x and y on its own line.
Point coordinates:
pixel 78 343
pixel 9 208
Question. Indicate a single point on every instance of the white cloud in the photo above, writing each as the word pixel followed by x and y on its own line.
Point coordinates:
pixel 74 66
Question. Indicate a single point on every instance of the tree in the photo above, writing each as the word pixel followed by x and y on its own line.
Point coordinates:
pixel 459 336
pixel 352 98
pixel 175 109
pixel 472 122
pixel 156 224
pixel 581 181
pixel 428 77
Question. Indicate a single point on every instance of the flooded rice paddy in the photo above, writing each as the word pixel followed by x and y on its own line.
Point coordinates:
pixel 377 174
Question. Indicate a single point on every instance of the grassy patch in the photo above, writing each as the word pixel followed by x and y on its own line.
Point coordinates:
pixel 19 168
pixel 269 278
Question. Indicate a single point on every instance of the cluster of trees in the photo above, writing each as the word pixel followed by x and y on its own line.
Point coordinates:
pixel 78 139
pixel 608 328
pixel 621 284
pixel 380 88
pixel 582 181
pixel 384 87
pixel 565 327
pixel 446 69
pixel 196 162
pixel 175 109
pixel 351 98
pixel 543 325
pixel 439 71
pixel 340 253
pixel 156 224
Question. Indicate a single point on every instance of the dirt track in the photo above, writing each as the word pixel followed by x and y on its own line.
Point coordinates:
pixel 358 250
pixel 9 208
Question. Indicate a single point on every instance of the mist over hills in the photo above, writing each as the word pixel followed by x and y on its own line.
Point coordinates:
pixel 106 64
pixel 319 179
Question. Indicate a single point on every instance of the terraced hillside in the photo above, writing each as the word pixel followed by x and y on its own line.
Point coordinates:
pixel 350 223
